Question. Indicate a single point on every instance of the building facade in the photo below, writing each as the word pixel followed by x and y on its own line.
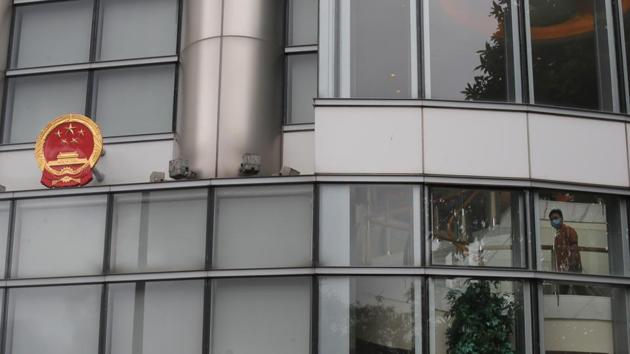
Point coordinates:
pixel 464 177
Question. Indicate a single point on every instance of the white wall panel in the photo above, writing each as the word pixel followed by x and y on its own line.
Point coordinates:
pixel 578 150
pixel 368 140
pixel 475 143
pixel 123 163
pixel 298 151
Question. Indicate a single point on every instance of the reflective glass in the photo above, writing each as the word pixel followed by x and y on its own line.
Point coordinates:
pixel 5 209
pixel 32 101
pixel 471 54
pixel 580 318
pixel 570 53
pixel 477 227
pixel 368 225
pixel 137 100
pixel 302 24
pixel 476 316
pixel 53 320
pixel 155 317
pixel 301 88
pixel 263 227
pixel 369 315
pixel 137 28
pixel 53 33
pixel 261 315
pixel 59 236
pixel 159 231
pixel 586 239
pixel 376 48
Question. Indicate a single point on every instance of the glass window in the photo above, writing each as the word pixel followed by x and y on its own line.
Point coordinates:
pixel 302 25
pixel 377 48
pixel 136 100
pixel 570 53
pixel 159 231
pixel 302 88
pixel 59 236
pixel 580 318
pixel 51 34
pixel 369 315
pixel 471 52
pixel 53 320
pixel 5 213
pixel 476 316
pixel 155 317
pixel 281 325
pixel 263 227
pixel 137 28
pixel 477 227
pixel 369 225
pixel 32 101
pixel 580 233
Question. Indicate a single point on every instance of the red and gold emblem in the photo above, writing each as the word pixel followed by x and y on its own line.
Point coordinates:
pixel 67 149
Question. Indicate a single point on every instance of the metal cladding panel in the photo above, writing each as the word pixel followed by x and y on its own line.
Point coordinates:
pixel 261 19
pixel 122 163
pixel 368 140
pixel 199 105
pixel 201 20
pixel 298 151
pixel 578 150
pixel 475 143
pixel 250 118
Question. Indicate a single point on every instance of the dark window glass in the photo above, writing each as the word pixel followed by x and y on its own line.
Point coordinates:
pixel 570 53
pixel 369 315
pixel 477 227
pixel 471 50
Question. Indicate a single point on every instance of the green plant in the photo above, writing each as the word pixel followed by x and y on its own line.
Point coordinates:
pixel 480 319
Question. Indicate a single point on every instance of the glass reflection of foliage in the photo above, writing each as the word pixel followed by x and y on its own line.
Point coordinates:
pixel 480 319
pixel 490 84
pixel 382 329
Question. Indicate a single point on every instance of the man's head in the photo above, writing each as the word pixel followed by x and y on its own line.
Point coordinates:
pixel 556 219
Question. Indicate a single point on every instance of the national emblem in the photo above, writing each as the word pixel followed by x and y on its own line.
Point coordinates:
pixel 67 149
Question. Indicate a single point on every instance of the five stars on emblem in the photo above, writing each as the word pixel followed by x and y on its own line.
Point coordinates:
pixel 70 128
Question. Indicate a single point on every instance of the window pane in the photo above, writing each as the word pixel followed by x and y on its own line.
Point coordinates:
pixel 137 28
pixel 134 100
pixel 155 317
pixel 302 27
pixel 261 315
pixel 51 34
pixel 569 37
pixel 34 100
pixel 368 225
pixel 584 319
pixel 59 236
pixel 5 209
pixel 586 236
pixel 262 227
pixel 53 320
pixel 476 316
pixel 369 315
pixel 377 34
pixel 302 88
pixel 471 50
pixel 476 227
pixel 159 231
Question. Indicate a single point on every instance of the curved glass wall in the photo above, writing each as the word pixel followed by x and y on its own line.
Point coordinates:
pixel 398 268
pixel 559 53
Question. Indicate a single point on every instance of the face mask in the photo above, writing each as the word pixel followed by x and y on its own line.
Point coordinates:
pixel 556 223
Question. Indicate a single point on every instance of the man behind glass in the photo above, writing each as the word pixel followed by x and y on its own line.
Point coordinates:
pixel 566 254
